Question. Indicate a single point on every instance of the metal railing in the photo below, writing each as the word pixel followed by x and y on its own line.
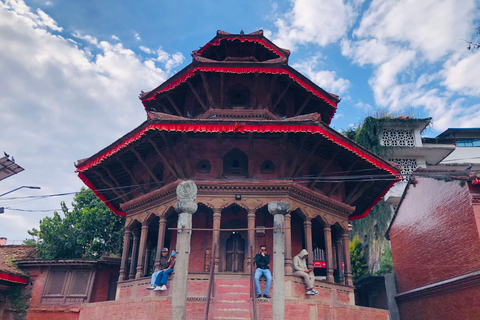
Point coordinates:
pixel 211 283
pixel 252 285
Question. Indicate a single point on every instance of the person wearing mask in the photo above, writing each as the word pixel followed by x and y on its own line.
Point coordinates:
pixel 162 283
pixel 163 265
pixel 300 270
pixel 262 259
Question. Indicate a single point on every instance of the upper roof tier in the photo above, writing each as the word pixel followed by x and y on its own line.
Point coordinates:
pixel 239 72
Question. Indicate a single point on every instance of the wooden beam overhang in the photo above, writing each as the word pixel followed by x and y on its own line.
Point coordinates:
pixel 197 95
pixel 207 90
pixel 186 150
pixel 129 172
pixel 269 93
pixel 170 99
pixel 295 160
pixel 113 188
pixel 274 106
pixel 250 155
pixel 222 86
pixel 171 150
pixel 325 168
pixel 141 160
pixel 163 159
pixel 283 164
pixel 307 159
pixel 357 191
pixel 338 184
pixel 219 155
pixel 304 104
pixel 112 177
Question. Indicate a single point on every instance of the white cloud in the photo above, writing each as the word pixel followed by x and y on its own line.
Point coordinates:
pixel 60 103
pixel 136 36
pixel 463 75
pixel 114 37
pixel 326 79
pixel 314 21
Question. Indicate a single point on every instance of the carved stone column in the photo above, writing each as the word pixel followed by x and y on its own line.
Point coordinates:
pixel 186 194
pixel 288 244
pixel 217 219
pixel 160 241
pixel 141 250
pixel 346 252
pixel 327 232
pixel 251 236
pixel 126 248
pixel 133 259
pixel 278 209
pixel 338 244
pixel 307 226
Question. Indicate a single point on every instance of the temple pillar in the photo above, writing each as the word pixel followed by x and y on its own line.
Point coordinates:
pixel 307 226
pixel 126 248
pixel 185 207
pixel 148 250
pixel 278 209
pixel 288 244
pixel 346 253
pixel 141 250
pixel 327 232
pixel 217 218
pixel 338 244
pixel 133 259
pixel 251 237
pixel 160 241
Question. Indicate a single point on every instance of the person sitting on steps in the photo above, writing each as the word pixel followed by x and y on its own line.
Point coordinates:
pixel 262 259
pixel 163 265
pixel 300 270
pixel 161 283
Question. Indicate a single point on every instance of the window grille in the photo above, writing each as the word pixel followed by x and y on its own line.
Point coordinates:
pixel 408 166
pixel 398 138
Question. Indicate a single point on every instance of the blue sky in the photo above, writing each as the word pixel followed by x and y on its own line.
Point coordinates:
pixel 71 71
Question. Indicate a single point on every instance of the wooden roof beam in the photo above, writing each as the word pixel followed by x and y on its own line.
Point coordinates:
pixel 325 168
pixel 174 105
pixel 171 150
pixel 283 163
pixel 197 96
pixel 337 185
pixel 269 93
pixel 207 90
pixel 357 191
pixel 307 159
pixel 281 96
pixel 131 175
pixel 140 159
pixel 304 104
pixel 112 177
pixel 112 187
pixel 295 160
pixel 164 160
pixel 186 150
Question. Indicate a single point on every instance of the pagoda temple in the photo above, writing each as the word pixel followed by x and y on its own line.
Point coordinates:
pixel 248 130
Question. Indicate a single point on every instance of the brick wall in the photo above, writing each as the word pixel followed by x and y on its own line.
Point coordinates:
pixel 434 236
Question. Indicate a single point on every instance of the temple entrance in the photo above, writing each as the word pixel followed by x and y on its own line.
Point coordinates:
pixel 235 253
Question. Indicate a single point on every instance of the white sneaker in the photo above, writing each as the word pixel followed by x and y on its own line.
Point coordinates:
pixel 157 288
pixel 163 288
pixel 151 287
pixel 311 292
pixel 316 292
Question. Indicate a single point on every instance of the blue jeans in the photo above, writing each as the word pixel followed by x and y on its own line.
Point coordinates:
pixel 161 278
pixel 258 273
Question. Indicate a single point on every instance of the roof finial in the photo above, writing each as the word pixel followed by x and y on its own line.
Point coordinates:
pixel 241 31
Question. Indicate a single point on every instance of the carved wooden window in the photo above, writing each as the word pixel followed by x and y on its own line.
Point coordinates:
pixel 267 167
pixel 235 164
pixel 398 138
pixel 408 166
pixel 203 166
pixel 67 286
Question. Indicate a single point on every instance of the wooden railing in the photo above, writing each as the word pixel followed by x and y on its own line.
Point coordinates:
pixel 211 283
pixel 252 285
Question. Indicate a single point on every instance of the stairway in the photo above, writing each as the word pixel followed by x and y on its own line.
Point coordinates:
pixel 232 300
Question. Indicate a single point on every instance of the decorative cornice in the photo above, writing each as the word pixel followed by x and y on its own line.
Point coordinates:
pixel 442 287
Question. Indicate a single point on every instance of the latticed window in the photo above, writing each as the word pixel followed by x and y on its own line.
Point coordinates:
pixel 67 286
pixel 398 138
pixel 408 166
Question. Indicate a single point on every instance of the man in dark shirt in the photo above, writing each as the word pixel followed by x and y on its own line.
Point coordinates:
pixel 163 265
pixel 262 259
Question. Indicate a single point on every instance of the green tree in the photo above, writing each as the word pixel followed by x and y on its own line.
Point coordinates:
pixel 357 259
pixel 89 230
pixel 386 262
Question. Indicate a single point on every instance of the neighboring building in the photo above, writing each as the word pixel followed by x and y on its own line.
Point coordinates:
pixel 248 130
pixel 467 141
pixel 436 244
pixel 12 277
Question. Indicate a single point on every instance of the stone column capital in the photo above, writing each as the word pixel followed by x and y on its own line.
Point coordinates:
pixel 127 233
pixel 185 206
pixel 278 207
